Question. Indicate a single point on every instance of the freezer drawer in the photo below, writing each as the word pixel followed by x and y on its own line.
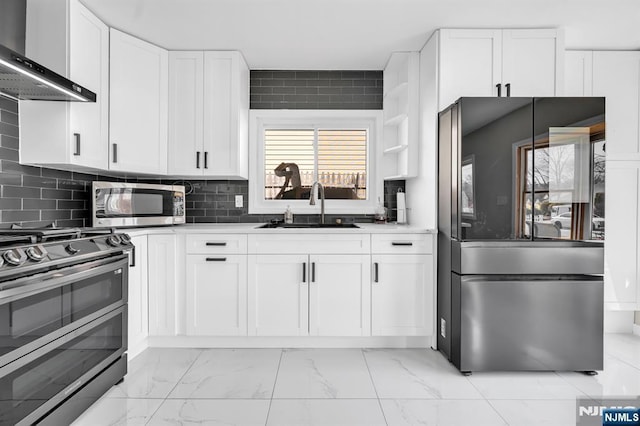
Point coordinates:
pixel 527 323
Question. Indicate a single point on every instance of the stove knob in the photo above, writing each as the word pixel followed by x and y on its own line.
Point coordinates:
pixel 125 239
pixel 36 253
pixel 15 257
pixel 113 240
pixel 71 249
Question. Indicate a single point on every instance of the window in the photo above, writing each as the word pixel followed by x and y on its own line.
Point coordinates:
pixel 290 150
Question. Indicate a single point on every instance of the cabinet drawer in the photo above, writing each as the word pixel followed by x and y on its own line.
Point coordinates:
pixel 401 243
pixel 217 243
pixel 309 244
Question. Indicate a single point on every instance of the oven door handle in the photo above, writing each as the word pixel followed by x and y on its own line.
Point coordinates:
pixel 76 273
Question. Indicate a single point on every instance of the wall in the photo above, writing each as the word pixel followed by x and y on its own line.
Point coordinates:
pixel 33 196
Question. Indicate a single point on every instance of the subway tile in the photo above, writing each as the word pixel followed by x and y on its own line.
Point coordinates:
pixel 10 179
pixel 58 194
pixel 79 214
pixel 55 214
pixel 196 212
pixel 373 90
pixel 307 75
pixel 71 223
pixel 272 98
pixel 296 83
pixel 8 104
pixel 58 174
pixel 261 90
pixel 261 74
pixel 38 204
pixel 306 91
pixel 80 195
pixel 10 203
pixel 203 219
pixel 9 154
pixel 9 191
pixel 295 98
pixel 285 90
pixel 71 184
pixel 216 212
pixel 342 99
pixel 276 82
pixel 352 75
pixel 365 83
pixel 284 74
pixel 353 90
pixel 20 215
pixel 8 129
pixel 227 219
pixel 9 117
pixel 38 182
pixel 330 90
pixel 70 204
pixel 7 141
pixel 254 82
pixel 341 83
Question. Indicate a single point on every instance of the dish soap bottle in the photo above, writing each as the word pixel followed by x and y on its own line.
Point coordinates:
pixel 288 215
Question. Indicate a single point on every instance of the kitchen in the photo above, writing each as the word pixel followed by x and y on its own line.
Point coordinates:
pixel 155 124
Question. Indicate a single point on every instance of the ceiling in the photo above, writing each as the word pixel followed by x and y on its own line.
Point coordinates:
pixel 356 34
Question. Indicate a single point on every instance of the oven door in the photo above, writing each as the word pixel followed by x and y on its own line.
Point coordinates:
pixel 35 384
pixel 37 309
pixel 133 204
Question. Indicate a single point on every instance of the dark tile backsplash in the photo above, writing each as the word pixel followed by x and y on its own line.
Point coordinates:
pixel 34 196
pixel 316 89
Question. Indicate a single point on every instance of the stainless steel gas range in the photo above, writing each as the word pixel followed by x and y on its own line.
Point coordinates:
pixel 63 321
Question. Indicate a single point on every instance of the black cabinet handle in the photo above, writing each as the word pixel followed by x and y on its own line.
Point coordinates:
pixel 76 138
pixel 206 156
pixel 114 155
pixel 508 87
pixel 304 272
pixel 313 272
pixel 133 257
pixel 216 259
pixel 396 243
pixel 375 272
pixel 211 243
pixel 499 87
pixel 197 159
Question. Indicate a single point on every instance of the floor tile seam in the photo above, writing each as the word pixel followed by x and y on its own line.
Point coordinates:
pixel 185 373
pixel 273 390
pixel 584 394
pixel 495 410
pixel 624 361
pixel 373 384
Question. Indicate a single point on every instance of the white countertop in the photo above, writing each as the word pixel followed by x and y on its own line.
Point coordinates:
pixel 254 228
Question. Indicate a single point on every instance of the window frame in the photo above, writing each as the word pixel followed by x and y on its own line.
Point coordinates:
pixel 260 120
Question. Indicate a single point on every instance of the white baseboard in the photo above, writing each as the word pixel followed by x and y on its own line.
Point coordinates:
pixel 289 342
pixel 636 329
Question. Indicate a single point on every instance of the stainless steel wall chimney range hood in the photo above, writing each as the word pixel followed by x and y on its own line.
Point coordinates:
pixel 22 78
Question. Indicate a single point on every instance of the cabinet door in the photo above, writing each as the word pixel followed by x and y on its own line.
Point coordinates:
pixel 226 109
pixel 216 295
pixel 578 67
pixel 162 285
pixel 138 303
pixel 185 113
pixel 89 66
pixel 622 235
pixel 138 105
pixel 470 64
pixel 402 295
pixel 532 62
pixel 616 76
pixel 340 295
pixel 278 295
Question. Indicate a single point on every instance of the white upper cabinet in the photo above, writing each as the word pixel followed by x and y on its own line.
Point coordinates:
pixel 72 41
pixel 578 76
pixel 400 109
pixel 616 75
pixel 138 107
pixel 486 62
pixel 208 116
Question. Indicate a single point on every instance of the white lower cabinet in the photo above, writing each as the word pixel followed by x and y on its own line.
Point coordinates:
pixel 401 297
pixel 138 321
pixel 216 293
pixel 278 295
pixel 309 295
pixel 162 284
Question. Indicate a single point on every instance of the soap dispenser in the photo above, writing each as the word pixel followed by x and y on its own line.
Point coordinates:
pixel 288 215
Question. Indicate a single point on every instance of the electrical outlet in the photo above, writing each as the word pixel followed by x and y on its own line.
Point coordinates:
pixel 239 201
pixel 443 328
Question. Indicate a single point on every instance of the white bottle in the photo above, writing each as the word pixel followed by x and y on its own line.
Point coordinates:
pixel 288 215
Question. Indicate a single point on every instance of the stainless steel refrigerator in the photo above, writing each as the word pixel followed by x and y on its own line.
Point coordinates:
pixel 521 229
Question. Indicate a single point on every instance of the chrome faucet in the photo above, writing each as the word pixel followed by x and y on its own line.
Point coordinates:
pixel 312 198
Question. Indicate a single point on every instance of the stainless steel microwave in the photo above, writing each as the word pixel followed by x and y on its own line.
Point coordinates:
pixel 137 204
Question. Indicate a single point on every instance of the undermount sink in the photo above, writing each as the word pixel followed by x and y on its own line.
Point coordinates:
pixel 308 225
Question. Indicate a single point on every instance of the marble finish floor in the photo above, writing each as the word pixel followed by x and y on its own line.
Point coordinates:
pixel 350 387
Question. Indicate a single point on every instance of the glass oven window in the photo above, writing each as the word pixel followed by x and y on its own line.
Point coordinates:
pixel 26 320
pixel 27 388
